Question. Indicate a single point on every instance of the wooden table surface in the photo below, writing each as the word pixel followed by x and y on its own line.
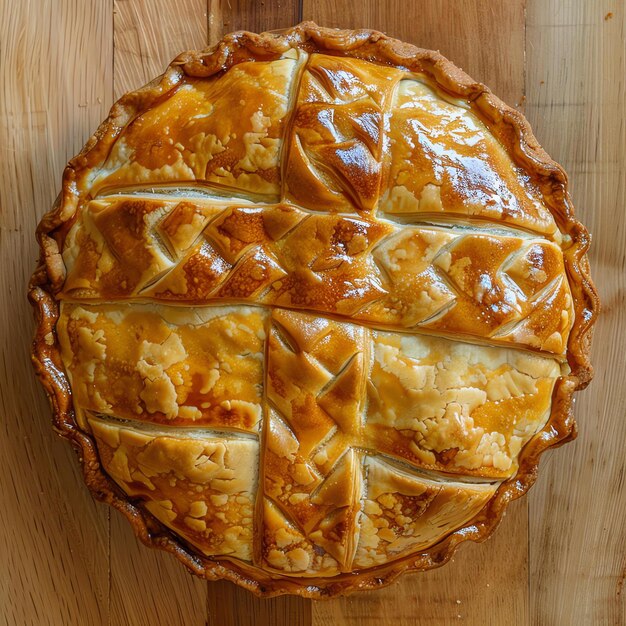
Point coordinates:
pixel 559 557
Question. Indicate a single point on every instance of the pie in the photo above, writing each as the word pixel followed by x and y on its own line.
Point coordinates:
pixel 310 306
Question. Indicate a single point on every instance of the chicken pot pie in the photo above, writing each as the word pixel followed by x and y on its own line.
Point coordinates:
pixel 310 306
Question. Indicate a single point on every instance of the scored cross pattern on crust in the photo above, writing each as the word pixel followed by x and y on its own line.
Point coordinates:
pixel 315 341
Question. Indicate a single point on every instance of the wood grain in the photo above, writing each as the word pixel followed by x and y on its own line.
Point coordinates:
pixel 149 34
pixel 226 16
pixel 230 605
pixel 150 587
pixel 61 62
pixel 56 82
pixel 576 102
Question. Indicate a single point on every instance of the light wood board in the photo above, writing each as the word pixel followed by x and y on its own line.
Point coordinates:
pixel 559 557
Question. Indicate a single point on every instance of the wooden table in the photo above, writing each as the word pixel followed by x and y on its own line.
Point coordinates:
pixel 558 557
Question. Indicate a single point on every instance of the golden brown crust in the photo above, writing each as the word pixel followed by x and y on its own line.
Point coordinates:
pixel 506 124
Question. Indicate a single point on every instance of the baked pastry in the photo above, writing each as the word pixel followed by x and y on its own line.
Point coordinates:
pixel 310 306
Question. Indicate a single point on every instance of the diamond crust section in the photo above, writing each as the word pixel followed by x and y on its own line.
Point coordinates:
pixel 315 386
pixel 337 140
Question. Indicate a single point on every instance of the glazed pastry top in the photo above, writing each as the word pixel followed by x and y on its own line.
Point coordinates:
pixel 312 311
